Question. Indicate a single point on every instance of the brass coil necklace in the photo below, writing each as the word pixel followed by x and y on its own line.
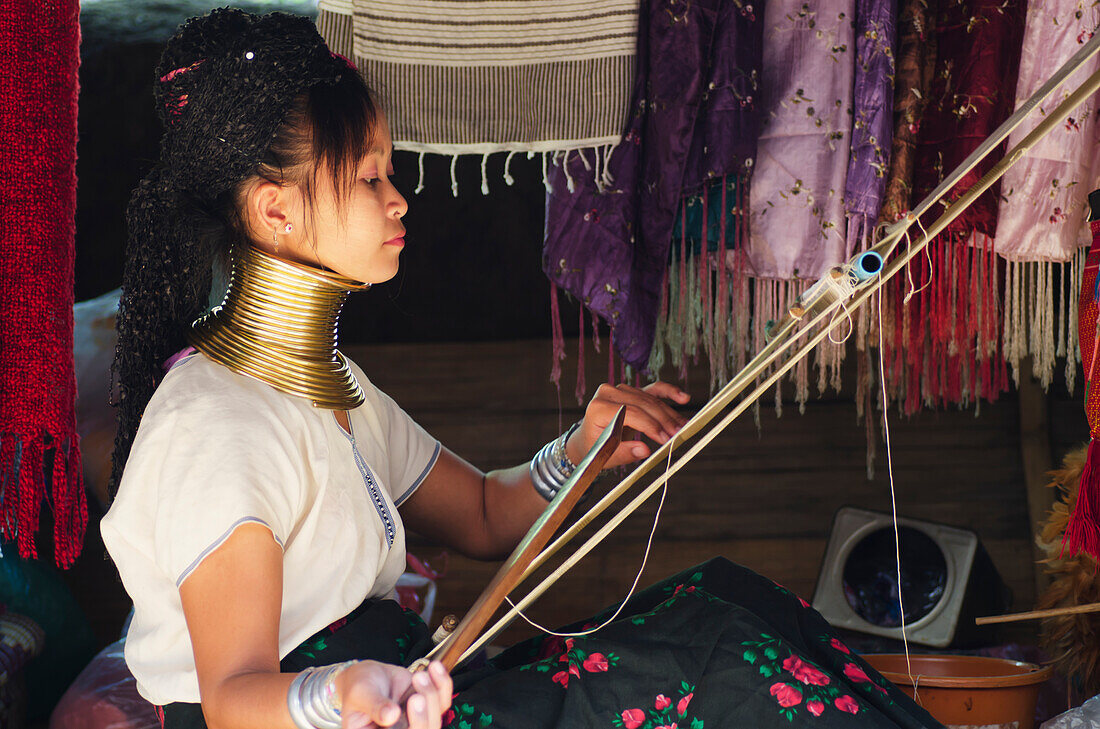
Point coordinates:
pixel 277 323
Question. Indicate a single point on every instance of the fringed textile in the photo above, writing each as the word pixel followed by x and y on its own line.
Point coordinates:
pixel 482 76
pixel 39 446
pixel 1083 530
pixel 1041 220
pixel 693 121
pixel 946 338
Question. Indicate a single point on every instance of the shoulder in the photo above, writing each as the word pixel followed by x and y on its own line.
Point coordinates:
pixel 199 389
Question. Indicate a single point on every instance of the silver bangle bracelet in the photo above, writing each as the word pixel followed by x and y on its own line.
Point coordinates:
pixel 312 699
pixel 551 467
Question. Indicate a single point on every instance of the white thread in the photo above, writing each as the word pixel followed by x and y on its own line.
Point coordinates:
pixel 508 179
pixel 908 271
pixel 584 160
pixel 565 168
pixel 484 174
pixel 420 173
pixel 890 471
pixel 454 177
pixel 606 177
pixel 545 177
pixel 637 577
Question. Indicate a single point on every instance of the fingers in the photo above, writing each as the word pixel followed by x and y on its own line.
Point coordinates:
pixel 433 696
pixel 645 412
pixel 669 391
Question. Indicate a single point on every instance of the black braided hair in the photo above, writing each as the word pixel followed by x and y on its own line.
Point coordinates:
pixel 242 97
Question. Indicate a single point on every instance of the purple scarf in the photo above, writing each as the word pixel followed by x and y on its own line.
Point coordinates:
pixel 693 118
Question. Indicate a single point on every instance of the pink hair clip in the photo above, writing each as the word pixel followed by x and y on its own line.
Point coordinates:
pixel 172 74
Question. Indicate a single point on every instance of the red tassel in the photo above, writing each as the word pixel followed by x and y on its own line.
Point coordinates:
pixel 1083 529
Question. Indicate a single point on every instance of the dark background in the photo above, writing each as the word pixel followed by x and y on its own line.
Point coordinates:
pixel 472 269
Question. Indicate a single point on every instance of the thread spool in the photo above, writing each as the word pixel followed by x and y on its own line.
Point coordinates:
pixel 450 622
pixel 866 265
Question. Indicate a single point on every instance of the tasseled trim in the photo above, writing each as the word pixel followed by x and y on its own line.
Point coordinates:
pixel 24 462
pixel 1041 317
pixel 558 338
pixel 1082 532
pixel 581 390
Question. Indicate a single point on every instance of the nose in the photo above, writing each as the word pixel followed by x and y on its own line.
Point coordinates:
pixel 396 206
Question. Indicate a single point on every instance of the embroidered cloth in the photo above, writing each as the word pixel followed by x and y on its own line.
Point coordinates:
pixel 39 447
pixel 873 107
pixel 693 119
pixel 796 201
pixel 483 76
pixel 714 646
pixel 1043 210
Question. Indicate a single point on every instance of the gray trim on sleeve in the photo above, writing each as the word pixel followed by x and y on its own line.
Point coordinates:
pixel 218 542
pixel 419 479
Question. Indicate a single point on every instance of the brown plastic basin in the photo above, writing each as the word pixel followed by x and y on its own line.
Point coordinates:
pixel 967 689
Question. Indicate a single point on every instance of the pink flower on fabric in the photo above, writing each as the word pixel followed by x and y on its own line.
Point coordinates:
pixel 786 694
pixel 448 717
pixel 682 705
pixel 803 602
pixel 595 663
pixel 667 726
pixel 805 673
pixel 574 670
pixel 815 707
pixel 847 703
pixel 855 673
pixel 633 718
pixel 662 702
pixel 836 644
pixel 561 677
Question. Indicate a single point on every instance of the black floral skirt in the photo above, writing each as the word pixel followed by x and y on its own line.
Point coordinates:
pixel 715 646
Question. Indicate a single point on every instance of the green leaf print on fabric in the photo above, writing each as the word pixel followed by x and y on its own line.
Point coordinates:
pixel 666 712
pixel 801 685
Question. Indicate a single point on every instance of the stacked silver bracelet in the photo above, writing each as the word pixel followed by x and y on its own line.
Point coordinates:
pixel 312 698
pixel 551 467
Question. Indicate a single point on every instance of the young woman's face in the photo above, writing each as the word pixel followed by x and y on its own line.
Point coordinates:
pixel 363 237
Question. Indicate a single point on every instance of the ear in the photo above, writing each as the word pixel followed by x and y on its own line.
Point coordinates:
pixel 268 208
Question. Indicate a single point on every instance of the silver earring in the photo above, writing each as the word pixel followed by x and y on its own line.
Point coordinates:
pixel 289 227
pixel 275 238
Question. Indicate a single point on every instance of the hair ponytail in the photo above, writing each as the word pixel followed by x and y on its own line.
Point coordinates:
pixel 165 286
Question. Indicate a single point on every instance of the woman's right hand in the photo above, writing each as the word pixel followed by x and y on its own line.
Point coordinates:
pixel 371 692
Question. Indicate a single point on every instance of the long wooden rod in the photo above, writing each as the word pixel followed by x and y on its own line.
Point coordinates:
pixel 891 269
pixel 1037 614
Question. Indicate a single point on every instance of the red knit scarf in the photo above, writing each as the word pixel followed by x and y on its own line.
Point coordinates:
pixel 39 447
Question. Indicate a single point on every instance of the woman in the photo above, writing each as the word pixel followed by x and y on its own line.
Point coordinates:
pixel 259 520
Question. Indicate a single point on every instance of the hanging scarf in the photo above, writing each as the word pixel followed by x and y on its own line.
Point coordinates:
pixel 693 120
pixel 796 205
pixel 945 337
pixel 483 76
pixel 872 118
pixel 1041 220
pixel 916 62
pixel 39 447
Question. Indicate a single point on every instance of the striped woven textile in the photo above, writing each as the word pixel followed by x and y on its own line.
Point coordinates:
pixel 482 76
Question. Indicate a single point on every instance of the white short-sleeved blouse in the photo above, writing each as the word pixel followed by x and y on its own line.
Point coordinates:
pixel 216 450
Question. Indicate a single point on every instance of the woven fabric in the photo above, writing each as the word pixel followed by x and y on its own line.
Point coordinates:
pixel 39 447
pixel 796 206
pixel 1042 208
pixel 916 62
pixel 488 76
pixel 872 107
pixel 693 121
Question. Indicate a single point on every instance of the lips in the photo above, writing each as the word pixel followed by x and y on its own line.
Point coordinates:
pixel 399 241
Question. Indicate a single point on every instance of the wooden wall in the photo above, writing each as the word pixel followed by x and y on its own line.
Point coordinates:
pixel 764 498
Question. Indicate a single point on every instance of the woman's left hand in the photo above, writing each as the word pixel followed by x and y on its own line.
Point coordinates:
pixel 647 412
